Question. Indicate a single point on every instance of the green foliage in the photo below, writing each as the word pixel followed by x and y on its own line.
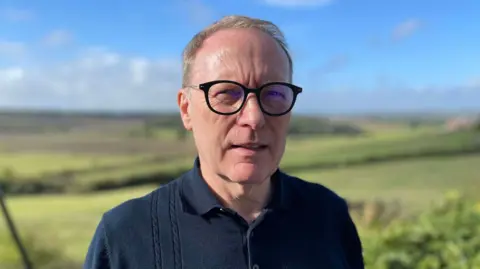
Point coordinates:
pixel 164 121
pixel 7 173
pixel 476 126
pixel 447 236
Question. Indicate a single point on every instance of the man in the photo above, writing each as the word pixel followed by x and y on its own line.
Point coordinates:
pixel 235 208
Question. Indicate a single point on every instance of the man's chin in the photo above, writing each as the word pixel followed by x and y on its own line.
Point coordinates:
pixel 248 173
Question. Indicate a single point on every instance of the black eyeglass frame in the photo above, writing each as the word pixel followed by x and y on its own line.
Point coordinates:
pixel 205 87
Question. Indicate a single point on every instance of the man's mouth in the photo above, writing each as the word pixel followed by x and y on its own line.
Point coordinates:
pixel 250 146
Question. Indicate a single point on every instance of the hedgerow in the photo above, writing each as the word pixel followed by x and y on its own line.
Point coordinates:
pixel 446 236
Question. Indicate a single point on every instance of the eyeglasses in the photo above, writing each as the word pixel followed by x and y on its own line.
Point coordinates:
pixel 227 97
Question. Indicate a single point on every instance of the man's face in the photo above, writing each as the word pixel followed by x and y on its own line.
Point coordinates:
pixel 226 144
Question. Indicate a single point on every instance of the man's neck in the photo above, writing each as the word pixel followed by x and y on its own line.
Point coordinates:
pixel 247 200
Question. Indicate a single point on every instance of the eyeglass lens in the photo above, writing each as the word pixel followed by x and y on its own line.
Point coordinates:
pixel 228 97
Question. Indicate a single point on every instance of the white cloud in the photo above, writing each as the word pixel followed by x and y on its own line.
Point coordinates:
pixel 298 3
pixel 139 68
pixel 406 29
pixel 96 79
pixel 198 12
pixel 353 100
pixel 100 79
pixel 334 64
pixel 58 38
pixel 11 75
pixel 12 49
pixel 16 15
pixel 474 83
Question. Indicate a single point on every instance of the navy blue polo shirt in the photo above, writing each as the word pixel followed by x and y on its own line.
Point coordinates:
pixel 183 225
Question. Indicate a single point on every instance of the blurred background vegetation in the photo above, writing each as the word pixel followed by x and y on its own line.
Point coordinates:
pixel 412 181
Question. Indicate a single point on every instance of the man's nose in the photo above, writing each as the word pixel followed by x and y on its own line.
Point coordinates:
pixel 251 114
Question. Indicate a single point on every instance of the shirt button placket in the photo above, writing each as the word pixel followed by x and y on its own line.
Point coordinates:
pixel 249 237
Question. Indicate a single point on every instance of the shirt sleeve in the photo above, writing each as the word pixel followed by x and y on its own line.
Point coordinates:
pixel 351 241
pixel 98 254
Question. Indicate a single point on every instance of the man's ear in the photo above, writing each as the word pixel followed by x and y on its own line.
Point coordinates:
pixel 183 101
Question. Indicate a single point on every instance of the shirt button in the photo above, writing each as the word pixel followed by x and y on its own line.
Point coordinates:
pixel 255 266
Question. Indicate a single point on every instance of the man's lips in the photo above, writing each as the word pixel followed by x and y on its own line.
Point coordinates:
pixel 249 146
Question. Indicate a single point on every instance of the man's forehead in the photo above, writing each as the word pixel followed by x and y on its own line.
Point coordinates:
pixel 228 57
pixel 224 66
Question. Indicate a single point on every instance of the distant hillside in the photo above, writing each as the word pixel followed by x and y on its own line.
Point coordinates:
pixel 309 125
pixel 68 122
pixel 300 125
pixel 60 122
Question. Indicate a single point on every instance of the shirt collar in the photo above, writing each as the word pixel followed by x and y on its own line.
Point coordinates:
pixel 198 198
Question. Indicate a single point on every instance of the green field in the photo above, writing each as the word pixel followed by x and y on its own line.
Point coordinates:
pixel 391 162
pixel 34 164
pixel 416 183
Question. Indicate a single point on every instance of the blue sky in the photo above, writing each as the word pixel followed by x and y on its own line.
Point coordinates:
pixel 350 56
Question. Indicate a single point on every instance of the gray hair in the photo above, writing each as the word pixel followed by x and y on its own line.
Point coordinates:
pixel 230 22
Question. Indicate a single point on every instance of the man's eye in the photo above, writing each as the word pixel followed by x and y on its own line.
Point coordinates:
pixel 234 93
pixel 275 94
